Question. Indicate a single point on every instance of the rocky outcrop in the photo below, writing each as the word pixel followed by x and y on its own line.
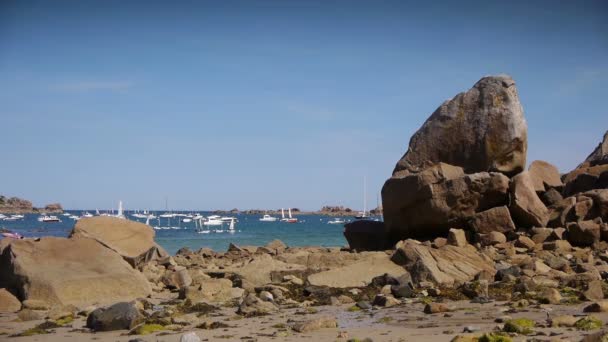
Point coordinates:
pixel 591 174
pixel 212 290
pixel 358 274
pixel 16 205
pixel 483 129
pixel 134 241
pixel 63 271
pixel 429 203
pixel 446 266
pixel 599 156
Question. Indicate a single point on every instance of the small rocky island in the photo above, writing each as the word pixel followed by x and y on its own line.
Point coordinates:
pixel 476 246
pixel 15 205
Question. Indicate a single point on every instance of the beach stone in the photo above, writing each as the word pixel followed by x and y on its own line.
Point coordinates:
pixel 177 278
pixel 551 197
pixel 479 130
pixel 496 219
pixel 563 321
pixel 525 242
pixel 68 271
pixel 211 290
pixel 550 296
pixel 277 246
pixel 599 306
pixel 254 306
pixel 120 316
pixel 385 301
pixel 492 238
pixel 439 242
pixel 257 271
pixel 316 324
pixel 561 246
pixel 134 241
pixel 583 233
pixel 358 274
pixel 433 308
pixel 445 266
pixel 190 337
pixel 594 291
pixel 544 176
pixel 366 235
pixel 526 207
pixel 8 302
pixel 26 315
pixel 457 237
pixel 427 204
pixel 36 304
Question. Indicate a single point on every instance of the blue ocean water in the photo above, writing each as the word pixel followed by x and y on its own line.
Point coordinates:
pixel 311 230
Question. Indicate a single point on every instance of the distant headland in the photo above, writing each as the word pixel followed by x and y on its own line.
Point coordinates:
pixel 16 205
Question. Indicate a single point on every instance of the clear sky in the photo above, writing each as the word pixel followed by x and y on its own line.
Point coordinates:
pixel 269 104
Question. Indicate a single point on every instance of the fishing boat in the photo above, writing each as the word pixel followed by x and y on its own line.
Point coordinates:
pixel 268 218
pixel 336 221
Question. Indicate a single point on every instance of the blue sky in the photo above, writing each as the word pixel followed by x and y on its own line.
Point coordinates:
pixel 256 104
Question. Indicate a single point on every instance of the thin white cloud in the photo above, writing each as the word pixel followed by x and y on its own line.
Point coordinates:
pixel 94 86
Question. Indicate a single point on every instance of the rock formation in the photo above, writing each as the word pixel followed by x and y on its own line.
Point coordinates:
pixel 134 241
pixel 480 130
pixel 68 271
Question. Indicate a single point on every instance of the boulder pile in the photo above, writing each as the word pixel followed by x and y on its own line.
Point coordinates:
pixel 465 169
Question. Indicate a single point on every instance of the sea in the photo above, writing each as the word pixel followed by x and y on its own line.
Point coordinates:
pixel 173 234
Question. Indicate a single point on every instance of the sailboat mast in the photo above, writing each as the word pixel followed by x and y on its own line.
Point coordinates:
pixel 364 195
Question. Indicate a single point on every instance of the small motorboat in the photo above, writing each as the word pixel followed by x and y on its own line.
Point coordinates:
pixel 268 218
pixel 336 221
pixel 47 218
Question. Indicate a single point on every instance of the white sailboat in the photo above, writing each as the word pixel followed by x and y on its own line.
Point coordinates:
pixel 120 213
pixel 289 219
pixel 363 215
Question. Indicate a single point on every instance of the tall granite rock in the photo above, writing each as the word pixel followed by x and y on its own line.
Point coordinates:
pixel 483 129
pixel 456 163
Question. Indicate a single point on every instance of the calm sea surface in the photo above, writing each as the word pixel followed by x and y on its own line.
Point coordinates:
pixel 312 230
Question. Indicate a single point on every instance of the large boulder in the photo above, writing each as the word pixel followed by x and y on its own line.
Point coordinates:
pixel 544 176
pixel 63 271
pixel 359 274
pixel 591 174
pixel 445 266
pixel 366 235
pixel 483 129
pixel 526 207
pixel 134 241
pixel 429 203
pixel 599 156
